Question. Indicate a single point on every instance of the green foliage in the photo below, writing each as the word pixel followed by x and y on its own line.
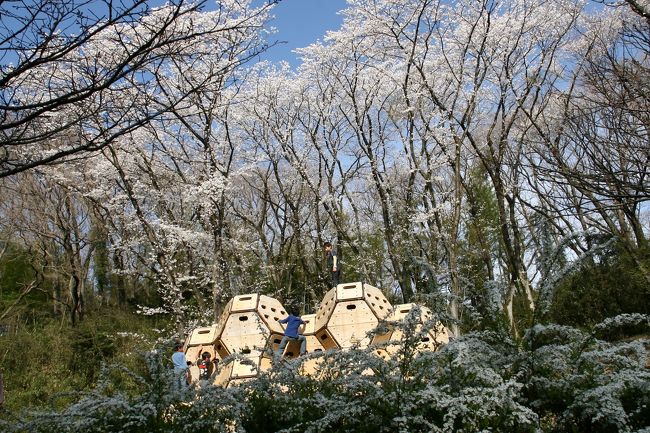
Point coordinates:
pixel 479 247
pixel 576 382
pixel 16 272
pixel 609 285
pixel 102 265
pixel 51 357
pixel 34 364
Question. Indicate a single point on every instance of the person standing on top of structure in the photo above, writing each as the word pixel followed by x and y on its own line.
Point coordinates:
pixel 333 264
pixel 291 333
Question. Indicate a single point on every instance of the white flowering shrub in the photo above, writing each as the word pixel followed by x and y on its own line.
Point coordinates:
pixel 557 379
pixel 577 382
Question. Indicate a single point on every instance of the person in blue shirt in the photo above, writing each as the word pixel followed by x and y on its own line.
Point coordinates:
pixel 291 333
pixel 181 365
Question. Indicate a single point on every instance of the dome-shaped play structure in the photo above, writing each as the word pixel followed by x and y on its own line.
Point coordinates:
pixel 249 328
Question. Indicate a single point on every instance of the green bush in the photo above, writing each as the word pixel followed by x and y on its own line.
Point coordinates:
pixel 607 286
pixel 41 361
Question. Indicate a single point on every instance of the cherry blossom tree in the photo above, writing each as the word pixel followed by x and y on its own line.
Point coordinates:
pixel 170 183
pixel 453 151
pixel 429 90
pixel 76 76
pixel 592 154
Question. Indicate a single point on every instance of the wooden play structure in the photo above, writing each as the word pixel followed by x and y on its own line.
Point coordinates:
pixel 248 332
pixel 347 313
pixel 430 339
pixel 200 340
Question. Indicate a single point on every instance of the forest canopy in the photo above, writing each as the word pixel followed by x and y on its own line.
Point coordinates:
pixel 488 159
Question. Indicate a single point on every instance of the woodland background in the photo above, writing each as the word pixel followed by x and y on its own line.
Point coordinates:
pixel 488 159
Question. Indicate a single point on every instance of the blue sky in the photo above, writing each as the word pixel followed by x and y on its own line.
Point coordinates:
pixel 301 22
pixel 298 24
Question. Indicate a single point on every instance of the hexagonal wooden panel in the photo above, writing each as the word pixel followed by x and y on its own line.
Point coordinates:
pixel 347 313
pixel 390 340
pixel 313 345
pixel 202 336
pixel 247 323
pixel 236 370
pixel 200 340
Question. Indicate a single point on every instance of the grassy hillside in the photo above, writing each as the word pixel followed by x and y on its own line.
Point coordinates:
pixel 49 357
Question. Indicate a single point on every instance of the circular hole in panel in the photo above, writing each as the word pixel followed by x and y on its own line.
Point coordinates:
pixel 351 307
pixel 273 309
pixel 243 318
pixel 263 306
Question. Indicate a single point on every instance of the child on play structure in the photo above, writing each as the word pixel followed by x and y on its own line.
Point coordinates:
pixel 206 369
pixel 292 333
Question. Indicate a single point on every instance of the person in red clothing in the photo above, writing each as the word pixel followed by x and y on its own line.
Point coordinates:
pixel 206 369
pixel 291 333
